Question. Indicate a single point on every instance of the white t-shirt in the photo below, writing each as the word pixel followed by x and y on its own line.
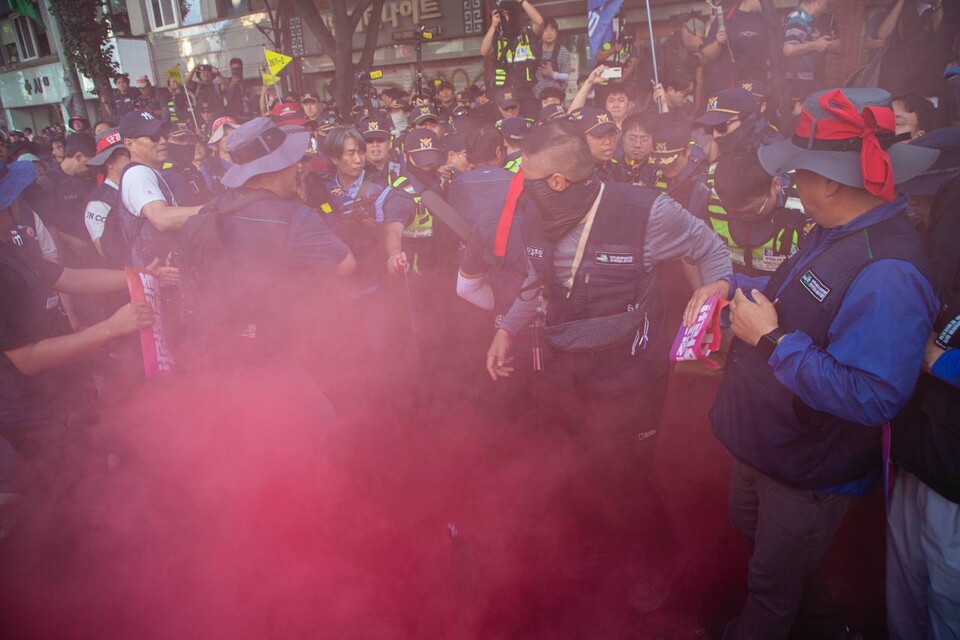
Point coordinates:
pixel 141 186
pixel 95 215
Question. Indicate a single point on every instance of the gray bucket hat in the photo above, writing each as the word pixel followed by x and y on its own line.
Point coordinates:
pixel 260 146
pixel 835 139
pixel 108 141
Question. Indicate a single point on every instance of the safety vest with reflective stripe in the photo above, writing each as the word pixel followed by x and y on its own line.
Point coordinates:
pixel 513 165
pixel 766 257
pixel 422 225
pixel 521 55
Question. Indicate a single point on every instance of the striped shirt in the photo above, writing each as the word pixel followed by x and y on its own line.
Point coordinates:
pixel 798 29
pixel 562 66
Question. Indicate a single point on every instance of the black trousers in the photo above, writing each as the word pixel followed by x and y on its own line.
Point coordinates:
pixel 790 530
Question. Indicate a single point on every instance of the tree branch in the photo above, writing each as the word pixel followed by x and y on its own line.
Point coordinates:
pixel 357 14
pixel 371 35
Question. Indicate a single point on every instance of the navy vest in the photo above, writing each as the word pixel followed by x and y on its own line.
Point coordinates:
pixel 237 280
pixel 145 241
pixel 611 278
pixel 759 420
pixel 926 434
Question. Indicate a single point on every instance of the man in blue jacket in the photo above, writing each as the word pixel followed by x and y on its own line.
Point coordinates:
pixel 828 349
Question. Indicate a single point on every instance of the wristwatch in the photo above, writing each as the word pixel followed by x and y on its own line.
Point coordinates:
pixel 768 342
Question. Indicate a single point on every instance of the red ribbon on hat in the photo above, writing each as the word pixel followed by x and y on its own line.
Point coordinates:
pixel 875 163
pixel 506 215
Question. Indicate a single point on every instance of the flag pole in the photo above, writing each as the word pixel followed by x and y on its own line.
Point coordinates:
pixel 186 92
pixel 653 53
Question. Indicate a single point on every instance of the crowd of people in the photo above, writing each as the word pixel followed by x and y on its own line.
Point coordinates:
pixel 582 233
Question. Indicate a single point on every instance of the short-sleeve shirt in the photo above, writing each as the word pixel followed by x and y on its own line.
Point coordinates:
pixel 747 38
pixel 65 198
pixel 96 214
pixel 141 186
pixel 26 401
pixel 799 30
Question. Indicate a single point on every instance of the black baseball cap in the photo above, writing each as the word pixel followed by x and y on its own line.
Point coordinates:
pixel 514 129
pixel 422 113
pixel 139 125
pixel 593 121
pixel 551 112
pixel 507 98
pixel 671 137
pixel 424 147
pixel 376 126
pixel 727 105
pixel 454 142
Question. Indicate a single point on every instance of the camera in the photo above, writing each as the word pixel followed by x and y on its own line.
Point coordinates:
pixel 367 76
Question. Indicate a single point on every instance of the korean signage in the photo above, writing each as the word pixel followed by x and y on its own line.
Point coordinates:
pixel 456 19
pixel 33 86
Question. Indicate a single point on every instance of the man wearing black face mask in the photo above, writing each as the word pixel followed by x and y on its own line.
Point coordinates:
pixel 186 182
pixel 734 120
pixel 595 251
pixel 760 231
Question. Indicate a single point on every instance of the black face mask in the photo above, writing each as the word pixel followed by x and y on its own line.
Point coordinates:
pixel 181 154
pixel 561 211
pixel 427 176
pixel 742 139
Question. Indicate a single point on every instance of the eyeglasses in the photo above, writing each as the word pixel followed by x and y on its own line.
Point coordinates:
pixel 735 213
pixel 721 128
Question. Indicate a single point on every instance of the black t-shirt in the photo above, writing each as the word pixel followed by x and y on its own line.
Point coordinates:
pixel 65 199
pixel 30 312
pixel 124 103
pixel 748 40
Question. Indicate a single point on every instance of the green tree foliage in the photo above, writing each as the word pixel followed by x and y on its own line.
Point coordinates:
pixel 86 29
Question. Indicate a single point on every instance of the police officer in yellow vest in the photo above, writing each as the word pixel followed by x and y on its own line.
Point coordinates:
pixel 760 230
pixel 511 43
pixel 734 120
pixel 514 131
pixel 423 155
pixel 678 163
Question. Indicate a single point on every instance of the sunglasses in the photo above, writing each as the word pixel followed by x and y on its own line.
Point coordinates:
pixel 157 137
pixel 721 128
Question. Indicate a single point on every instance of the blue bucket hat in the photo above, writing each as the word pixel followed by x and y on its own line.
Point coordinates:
pixel 14 178
pixel 260 146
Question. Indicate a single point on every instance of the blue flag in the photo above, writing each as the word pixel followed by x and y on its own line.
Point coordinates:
pixel 600 16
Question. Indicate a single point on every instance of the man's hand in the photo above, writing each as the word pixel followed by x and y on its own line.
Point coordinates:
pixel 397 264
pixel 445 171
pixel 596 75
pixel 821 44
pixel 700 297
pixel 659 95
pixel 166 276
pixel 495 19
pixel 752 320
pixel 546 69
pixel 932 353
pixel 498 362
pixel 131 317
pixel 722 35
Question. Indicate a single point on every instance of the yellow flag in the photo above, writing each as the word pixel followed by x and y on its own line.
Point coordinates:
pixel 174 73
pixel 276 61
pixel 268 80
